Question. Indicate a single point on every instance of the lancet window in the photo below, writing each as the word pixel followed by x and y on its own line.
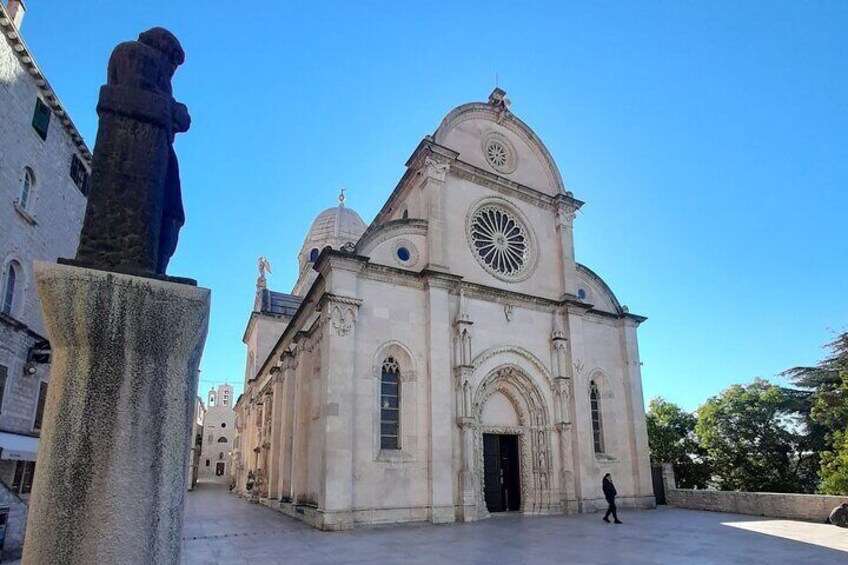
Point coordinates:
pixel 597 424
pixel 390 405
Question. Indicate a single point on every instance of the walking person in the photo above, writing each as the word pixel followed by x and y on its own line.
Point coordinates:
pixel 609 494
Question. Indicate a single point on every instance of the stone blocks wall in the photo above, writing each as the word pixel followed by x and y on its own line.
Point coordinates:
pixel 809 507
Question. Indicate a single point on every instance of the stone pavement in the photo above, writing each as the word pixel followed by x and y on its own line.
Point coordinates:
pixel 221 528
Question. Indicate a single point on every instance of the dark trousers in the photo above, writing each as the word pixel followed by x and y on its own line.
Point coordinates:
pixel 611 509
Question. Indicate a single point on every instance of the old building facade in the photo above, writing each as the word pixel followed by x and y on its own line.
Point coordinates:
pixel 197 419
pixel 44 166
pixel 217 439
pixel 449 360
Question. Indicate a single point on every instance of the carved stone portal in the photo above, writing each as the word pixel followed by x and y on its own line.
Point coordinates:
pixel 534 431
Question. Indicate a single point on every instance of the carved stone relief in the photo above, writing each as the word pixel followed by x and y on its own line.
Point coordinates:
pixel 342 318
pixel 435 170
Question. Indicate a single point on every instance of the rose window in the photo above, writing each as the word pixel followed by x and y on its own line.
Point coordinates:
pixel 500 241
pixel 497 154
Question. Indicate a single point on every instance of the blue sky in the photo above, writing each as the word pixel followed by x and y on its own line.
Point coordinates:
pixel 709 140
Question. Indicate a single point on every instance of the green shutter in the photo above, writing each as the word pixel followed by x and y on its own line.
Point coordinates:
pixel 39 408
pixel 41 118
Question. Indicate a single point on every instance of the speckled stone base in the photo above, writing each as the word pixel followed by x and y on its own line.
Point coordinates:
pixel 110 480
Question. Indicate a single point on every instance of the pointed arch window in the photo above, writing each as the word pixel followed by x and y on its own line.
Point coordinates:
pixel 26 188
pixel 597 424
pixel 390 405
pixel 9 288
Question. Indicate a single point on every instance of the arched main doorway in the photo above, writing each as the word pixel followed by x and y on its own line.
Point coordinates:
pixel 512 444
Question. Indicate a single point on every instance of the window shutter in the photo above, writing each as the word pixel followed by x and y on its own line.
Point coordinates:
pixel 39 408
pixel 19 475
pixel 29 473
pixel 41 118
pixel 79 174
pixel 4 371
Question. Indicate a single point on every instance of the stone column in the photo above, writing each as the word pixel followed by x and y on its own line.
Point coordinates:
pixel 635 406
pixel 111 475
pixel 435 169
pixel 566 212
pixel 287 439
pixel 277 404
pixel 339 358
pixel 439 390
pixel 467 510
pixel 265 424
pixel 562 389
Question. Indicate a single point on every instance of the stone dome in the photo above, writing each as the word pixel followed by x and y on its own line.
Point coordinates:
pixel 333 227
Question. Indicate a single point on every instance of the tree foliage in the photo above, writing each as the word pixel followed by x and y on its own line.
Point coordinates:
pixel 672 439
pixel 822 399
pixel 752 440
pixel 762 437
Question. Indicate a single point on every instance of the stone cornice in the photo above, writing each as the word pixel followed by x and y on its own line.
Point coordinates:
pixel 16 42
pixel 332 258
pixel 471 173
pixel 406 226
pixel 338 299
pixel 393 275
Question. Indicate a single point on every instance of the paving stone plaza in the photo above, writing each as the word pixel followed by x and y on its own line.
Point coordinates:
pixel 221 528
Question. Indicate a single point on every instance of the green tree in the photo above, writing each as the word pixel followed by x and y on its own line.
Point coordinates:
pixel 822 399
pixel 751 438
pixel 672 439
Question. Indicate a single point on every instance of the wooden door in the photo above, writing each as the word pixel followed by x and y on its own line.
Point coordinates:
pixel 510 472
pixel 492 473
pixel 501 473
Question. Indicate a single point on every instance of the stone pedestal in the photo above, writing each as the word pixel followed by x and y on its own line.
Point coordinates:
pixel 111 475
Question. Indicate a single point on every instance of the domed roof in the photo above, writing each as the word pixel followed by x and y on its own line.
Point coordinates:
pixel 333 227
pixel 336 223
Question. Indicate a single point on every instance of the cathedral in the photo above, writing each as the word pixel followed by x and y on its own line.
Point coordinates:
pixel 449 360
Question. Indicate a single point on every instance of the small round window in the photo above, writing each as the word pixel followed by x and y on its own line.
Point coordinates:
pixel 496 153
pixel 223 424
pixel 403 254
pixel 499 153
pixel 581 294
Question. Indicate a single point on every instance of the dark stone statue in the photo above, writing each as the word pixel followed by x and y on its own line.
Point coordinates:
pixel 135 208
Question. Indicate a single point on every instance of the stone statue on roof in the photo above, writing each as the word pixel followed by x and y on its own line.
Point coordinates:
pixel 264 267
pixel 135 210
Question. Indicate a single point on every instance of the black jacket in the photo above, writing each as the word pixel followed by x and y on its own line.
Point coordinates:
pixel 609 490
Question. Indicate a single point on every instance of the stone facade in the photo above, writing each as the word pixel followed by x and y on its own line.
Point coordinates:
pixel 459 314
pixel 218 431
pixel 809 507
pixel 41 221
pixel 196 443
